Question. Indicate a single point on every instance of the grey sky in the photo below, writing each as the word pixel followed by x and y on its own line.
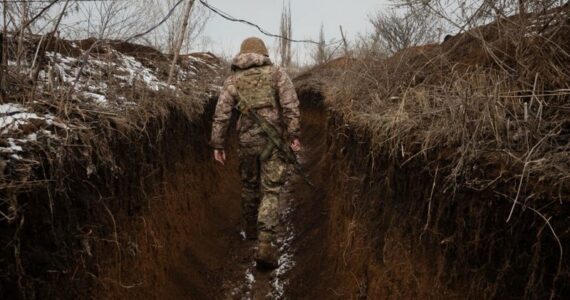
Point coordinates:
pixel 307 16
pixel 224 37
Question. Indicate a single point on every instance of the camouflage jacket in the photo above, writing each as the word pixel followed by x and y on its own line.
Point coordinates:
pixel 284 116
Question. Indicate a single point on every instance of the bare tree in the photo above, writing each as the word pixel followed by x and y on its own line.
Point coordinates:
pixel 345 45
pixel 395 31
pixel 3 84
pixel 286 32
pixel 322 53
pixel 117 20
pixel 166 37
pixel 23 21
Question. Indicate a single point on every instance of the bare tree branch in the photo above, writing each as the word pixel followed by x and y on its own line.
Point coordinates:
pixel 396 31
pixel 180 41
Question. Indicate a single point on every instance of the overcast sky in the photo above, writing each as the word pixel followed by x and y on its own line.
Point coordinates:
pixel 307 17
pixel 223 37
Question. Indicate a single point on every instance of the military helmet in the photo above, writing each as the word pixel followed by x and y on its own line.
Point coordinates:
pixel 253 45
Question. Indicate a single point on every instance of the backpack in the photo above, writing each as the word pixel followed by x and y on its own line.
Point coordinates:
pixel 256 87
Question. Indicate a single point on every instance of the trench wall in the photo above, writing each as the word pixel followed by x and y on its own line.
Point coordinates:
pixel 383 229
pixel 152 226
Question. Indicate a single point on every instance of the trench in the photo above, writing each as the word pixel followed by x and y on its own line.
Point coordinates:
pixel 171 229
pixel 299 202
pixel 197 224
pixel 190 238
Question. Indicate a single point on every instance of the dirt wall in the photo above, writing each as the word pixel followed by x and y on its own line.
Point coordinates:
pixel 155 227
pixel 384 229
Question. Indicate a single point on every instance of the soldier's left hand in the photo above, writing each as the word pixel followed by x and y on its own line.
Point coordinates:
pixel 220 156
pixel 296 145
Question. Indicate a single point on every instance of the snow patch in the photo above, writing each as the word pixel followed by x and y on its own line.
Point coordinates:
pixel 32 137
pixel 100 99
pixel 286 260
pixel 16 157
pixel 12 122
pixel 246 289
pixel 12 147
pixel 249 278
pixel 8 108
pixel 13 117
pixel 137 71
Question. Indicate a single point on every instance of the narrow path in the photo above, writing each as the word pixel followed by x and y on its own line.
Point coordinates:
pixel 245 281
pixel 298 205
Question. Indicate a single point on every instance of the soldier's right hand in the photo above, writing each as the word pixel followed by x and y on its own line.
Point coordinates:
pixel 296 145
pixel 220 156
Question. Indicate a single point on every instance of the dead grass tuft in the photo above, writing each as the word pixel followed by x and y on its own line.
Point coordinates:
pixel 496 95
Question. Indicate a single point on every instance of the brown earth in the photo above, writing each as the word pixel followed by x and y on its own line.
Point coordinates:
pixel 170 228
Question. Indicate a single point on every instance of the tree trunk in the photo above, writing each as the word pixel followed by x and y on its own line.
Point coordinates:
pixel 180 41
pixel 24 21
pixel 344 42
pixel 3 83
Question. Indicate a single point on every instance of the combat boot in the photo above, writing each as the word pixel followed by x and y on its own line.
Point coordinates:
pixel 267 256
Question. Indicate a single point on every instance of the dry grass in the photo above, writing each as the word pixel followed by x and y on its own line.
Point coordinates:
pixel 128 108
pixel 502 101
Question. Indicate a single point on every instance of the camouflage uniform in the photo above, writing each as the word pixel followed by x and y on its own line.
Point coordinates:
pixel 262 178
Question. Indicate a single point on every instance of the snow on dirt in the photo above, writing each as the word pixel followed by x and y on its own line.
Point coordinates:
pixel 286 261
pixel 245 290
pixel 96 97
pixel 89 73
pixel 136 71
pixel 14 118
pixel 103 80
pixel 8 108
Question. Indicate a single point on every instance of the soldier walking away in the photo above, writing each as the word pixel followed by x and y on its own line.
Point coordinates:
pixel 258 90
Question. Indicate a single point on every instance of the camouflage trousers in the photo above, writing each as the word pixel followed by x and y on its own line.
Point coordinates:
pixel 262 181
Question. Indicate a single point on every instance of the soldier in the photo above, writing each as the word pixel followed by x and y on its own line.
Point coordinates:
pixel 267 90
